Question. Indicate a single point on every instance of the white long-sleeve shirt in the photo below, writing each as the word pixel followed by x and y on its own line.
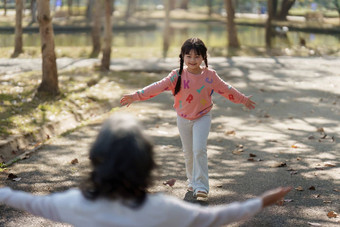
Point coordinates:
pixel 158 210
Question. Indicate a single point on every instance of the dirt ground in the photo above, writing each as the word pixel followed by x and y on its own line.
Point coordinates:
pixel 291 138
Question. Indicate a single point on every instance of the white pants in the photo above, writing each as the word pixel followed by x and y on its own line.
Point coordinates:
pixel 194 136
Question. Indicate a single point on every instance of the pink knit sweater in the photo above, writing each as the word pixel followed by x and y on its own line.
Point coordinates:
pixel 194 98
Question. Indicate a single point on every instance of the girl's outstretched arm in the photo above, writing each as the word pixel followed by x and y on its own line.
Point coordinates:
pixel 127 100
pixel 250 104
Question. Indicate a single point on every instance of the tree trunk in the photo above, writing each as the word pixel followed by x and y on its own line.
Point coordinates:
pixel 166 33
pixel 275 5
pixel 269 24
pixel 69 7
pixel 96 28
pixel 105 66
pixel 49 83
pixel 231 27
pixel 5 7
pixel 209 4
pixel 285 7
pixel 19 5
pixel 89 10
pixel 130 9
pixel 33 11
pixel 337 7
pixel 184 4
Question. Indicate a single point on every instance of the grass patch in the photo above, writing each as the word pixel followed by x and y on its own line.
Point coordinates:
pixel 82 90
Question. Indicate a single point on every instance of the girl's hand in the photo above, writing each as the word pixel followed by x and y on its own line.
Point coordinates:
pixel 249 103
pixel 126 100
pixel 273 196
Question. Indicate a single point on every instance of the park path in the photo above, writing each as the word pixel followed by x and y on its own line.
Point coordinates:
pixel 293 133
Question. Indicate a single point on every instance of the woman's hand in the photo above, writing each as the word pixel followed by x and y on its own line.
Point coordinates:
pixel 126 100
pixel 249 103
pixel 272 196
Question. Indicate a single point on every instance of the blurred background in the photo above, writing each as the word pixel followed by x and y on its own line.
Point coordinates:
pixel 157 28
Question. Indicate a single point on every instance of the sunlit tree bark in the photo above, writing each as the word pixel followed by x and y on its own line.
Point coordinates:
pixel 269 24
pixel 89 10
pixel 184 4
pixel 105 66
pixel 19 4
pixel 5 7
pixel 166 34
pixel 286 5
pixel 33 11
pixel 337 7
pixel 231 26
pixel 69 6
pixel 98 10
pixel 209 4
pixel 130 8
pixel 49 83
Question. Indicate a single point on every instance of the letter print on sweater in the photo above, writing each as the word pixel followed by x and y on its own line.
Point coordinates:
pixel 186 84
pixel 190 98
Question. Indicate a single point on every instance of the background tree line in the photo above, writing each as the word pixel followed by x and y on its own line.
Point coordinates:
pixel 99 14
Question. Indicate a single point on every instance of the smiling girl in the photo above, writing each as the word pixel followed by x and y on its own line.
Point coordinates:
pixel 193 86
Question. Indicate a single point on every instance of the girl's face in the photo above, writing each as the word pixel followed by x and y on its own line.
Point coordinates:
pixel 193 61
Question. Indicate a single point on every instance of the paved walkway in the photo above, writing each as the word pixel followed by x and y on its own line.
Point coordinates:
pixel 295 125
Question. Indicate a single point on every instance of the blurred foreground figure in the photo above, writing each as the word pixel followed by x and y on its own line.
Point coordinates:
pixel 115 192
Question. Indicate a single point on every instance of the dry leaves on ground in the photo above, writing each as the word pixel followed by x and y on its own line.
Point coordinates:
pixel 332 214
pixel 170 182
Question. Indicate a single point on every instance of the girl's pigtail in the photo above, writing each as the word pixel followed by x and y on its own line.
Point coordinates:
pixel 178 83
pixel 206 62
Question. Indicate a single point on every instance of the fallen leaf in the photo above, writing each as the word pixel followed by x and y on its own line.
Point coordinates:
pixel 74 161
pixel 319 168
pixel 317 196
pixel 237 151
pixel 279 164
pixel 329 164
pixel 320 130
pixel 314 224
pixel 219 185
pixel 324 136
pixel 47 136
pixel 311 188
pixel 250 160
pixel 311 137
pixel 273 141
pixel 252 155
pixel 230 133
pixel 170 182
pixel 294 146
pixel 298 159
pixel 332 214
pixel 300 188
pixel 336 190
pixel 327 201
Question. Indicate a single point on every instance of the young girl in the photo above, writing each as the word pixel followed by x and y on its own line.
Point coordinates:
pixel 115 193
pixel 192 87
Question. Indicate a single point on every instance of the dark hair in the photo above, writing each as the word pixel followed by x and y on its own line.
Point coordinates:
pixel 200 49
pixel 122 161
